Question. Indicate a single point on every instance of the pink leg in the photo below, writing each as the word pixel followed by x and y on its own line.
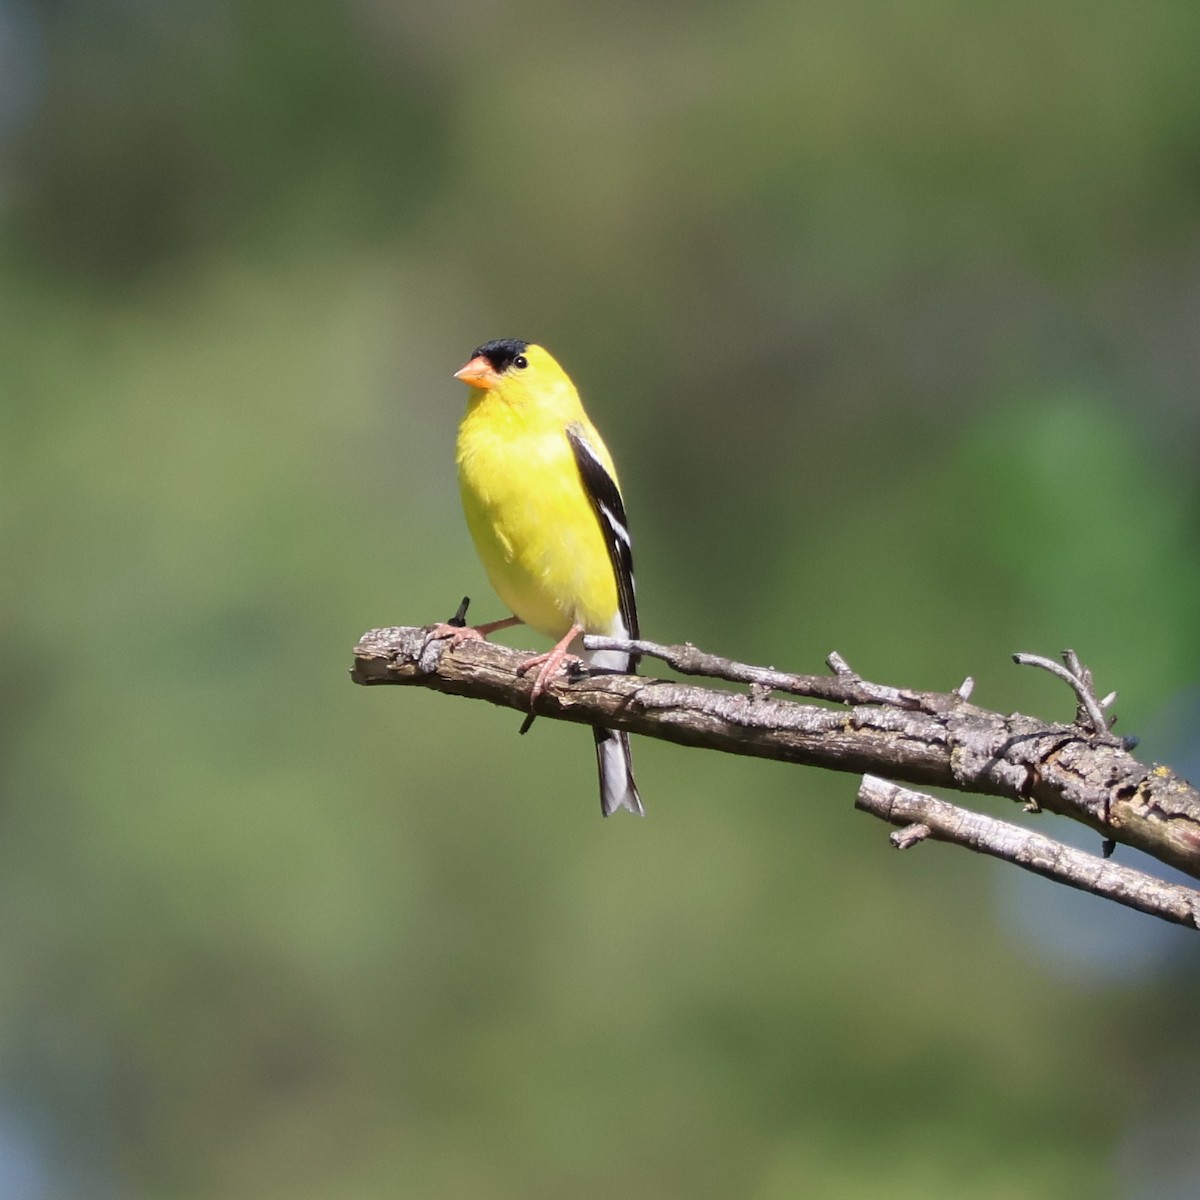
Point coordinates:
pixel 465 633
pixel 550 663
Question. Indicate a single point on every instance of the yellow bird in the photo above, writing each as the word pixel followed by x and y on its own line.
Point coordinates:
pixel 545 511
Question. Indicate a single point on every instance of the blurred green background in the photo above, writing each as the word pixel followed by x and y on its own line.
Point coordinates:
pixel 889 314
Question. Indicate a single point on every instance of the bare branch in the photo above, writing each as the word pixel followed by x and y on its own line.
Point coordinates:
pixel 843 687
pixel 928 817
pixel 929 739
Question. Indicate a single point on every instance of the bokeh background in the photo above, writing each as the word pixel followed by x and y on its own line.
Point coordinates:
pixel 889 313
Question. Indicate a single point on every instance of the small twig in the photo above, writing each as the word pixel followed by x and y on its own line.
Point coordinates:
pixel 1078 677
pixel 910 835
pixel 946 822
pixel 843 687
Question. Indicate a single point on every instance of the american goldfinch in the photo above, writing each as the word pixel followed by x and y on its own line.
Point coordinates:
pixel 545 512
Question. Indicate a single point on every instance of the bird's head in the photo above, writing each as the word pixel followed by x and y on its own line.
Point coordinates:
pixel 519 373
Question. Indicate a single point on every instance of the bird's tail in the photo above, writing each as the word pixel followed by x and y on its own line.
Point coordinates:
pixel 617 788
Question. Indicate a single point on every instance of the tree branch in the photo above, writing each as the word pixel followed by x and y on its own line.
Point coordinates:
pixel 924 738
pixel 925 816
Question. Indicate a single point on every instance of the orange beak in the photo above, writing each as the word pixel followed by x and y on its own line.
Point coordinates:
pixel 479 373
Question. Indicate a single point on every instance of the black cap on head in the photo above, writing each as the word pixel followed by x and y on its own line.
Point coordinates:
pixel 501 352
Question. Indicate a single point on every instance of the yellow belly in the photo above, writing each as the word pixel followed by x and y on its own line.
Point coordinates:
pixel 533 527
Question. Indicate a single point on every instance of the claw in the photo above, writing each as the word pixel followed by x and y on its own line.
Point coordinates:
pixel 455 634
pixel 550 664
pixel 458 631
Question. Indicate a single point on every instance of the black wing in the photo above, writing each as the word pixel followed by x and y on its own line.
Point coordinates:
pixel 609 508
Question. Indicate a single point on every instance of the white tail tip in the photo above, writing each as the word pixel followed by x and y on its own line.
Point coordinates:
pixel 617 788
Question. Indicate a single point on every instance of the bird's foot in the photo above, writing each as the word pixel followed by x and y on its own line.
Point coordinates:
pixel 550 664
pixel 455 634
pixel 457 631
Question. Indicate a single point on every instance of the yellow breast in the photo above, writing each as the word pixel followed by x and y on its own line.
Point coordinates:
pixel 532 524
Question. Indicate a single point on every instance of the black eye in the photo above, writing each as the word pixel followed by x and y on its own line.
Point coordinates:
pixel 520 362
